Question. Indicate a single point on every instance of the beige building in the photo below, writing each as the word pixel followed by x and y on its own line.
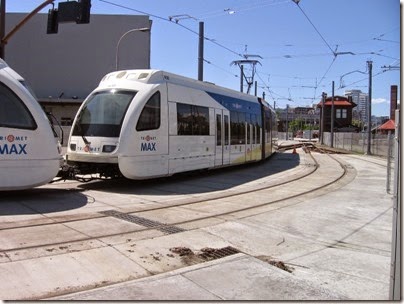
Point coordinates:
pixel 64 68
pixel 74 60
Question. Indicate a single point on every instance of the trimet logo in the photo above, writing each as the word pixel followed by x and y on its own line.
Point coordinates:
pixel 148 145
pixel 7 149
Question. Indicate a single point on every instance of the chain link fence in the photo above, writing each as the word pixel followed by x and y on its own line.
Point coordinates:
pixel 381 144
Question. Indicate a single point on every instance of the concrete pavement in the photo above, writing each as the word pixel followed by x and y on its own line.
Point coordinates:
pixel 337 244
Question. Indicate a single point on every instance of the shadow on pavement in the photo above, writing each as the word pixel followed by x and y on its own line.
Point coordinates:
pixel 40 200
pixel 197 182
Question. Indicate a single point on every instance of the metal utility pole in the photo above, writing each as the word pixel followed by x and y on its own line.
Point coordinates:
pixel 200 51
pixel 323 97
pixel 332 116
pixel 395 269
pixel 287 122
pixel 241 78
pixel 369 152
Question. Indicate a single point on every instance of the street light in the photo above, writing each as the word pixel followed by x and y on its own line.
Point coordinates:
pixel 143 29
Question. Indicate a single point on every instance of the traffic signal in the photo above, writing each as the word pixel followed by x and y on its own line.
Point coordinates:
pixel 53 24
pixel 69 11
pixel 83 15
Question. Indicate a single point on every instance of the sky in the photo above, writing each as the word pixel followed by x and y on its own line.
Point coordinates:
pixel 301 46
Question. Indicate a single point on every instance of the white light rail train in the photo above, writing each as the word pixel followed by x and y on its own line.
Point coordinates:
pixel 30 154
pixel 148 123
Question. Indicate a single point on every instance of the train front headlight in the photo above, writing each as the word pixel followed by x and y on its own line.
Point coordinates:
pixel 108 148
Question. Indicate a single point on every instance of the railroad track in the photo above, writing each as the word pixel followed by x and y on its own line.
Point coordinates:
pixel 176 217
pixel 368 160
pixel 312 168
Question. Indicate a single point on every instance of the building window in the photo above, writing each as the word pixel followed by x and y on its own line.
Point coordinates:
pixel 341 113
pixel 192 120
pixel 150 117
pixel 13 112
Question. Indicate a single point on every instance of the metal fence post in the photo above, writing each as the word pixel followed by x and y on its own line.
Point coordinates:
pixel 390 142
pixel 351 140
pixel 395 270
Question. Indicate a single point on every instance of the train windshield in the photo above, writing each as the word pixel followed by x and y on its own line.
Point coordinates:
pixel 103 114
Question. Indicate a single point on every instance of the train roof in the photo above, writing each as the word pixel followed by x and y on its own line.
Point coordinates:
pixel 152 76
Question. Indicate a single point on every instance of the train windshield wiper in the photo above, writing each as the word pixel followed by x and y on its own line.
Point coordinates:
pixel 80 131
pixel 85 140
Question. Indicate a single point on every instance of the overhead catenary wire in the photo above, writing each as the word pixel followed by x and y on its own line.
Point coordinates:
pixel 242 8
pixel 318 32
pixel 228 49
pixel 177 23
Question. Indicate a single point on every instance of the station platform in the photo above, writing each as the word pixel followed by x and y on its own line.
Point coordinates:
pixel 290 243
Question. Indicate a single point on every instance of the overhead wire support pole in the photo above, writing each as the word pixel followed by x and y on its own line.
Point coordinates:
pixel 200 51
pixel 323 97
pixel 287 122
pixel 241 78
pixel 332 116
pixel 368 151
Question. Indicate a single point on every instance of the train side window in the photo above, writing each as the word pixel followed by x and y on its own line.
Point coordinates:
pixel 13 111
pixel 267 125
pixel 201 120
pixel 254 122
pixel 192 120
pixel 184 119
pixel 248 133
pixel 226 130
pixel 150 117
pixel 218 130
pixel 234 127
pixel 241 127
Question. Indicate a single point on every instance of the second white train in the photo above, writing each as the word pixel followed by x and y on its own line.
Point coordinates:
pixel 149 123
pixel 30 154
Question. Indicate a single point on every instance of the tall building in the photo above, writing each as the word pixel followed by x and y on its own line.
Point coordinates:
pixel 361 99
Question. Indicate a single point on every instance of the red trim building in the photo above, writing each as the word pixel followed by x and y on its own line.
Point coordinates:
pixel 342 114
pixel 386 127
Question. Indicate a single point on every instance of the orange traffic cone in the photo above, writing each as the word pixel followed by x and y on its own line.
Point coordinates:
pixel 294 150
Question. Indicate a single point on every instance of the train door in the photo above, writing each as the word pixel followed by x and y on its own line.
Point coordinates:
pixel 256 137
pixel 226 139
pixel 222 150
pixel 219 147
pixel 249 142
